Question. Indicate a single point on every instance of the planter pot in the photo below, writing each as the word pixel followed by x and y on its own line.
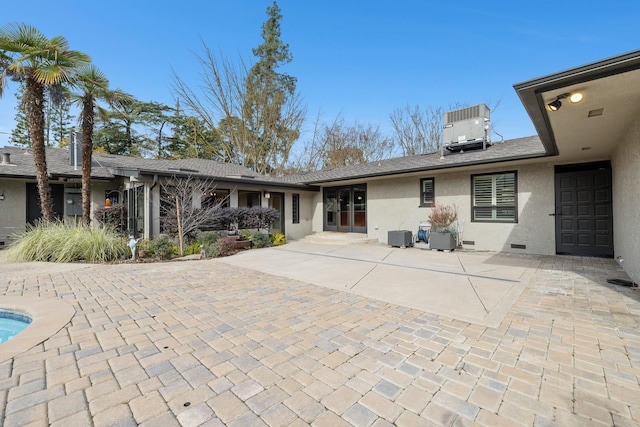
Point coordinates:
pixel 442 240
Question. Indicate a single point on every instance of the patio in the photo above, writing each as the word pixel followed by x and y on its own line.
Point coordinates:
pixel 209 343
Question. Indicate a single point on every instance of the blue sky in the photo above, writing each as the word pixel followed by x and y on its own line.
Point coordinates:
pixel 361 59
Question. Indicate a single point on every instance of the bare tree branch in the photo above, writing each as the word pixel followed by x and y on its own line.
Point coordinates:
pixel 193 198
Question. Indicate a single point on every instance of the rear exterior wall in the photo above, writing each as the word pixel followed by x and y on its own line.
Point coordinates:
pixel 626 202
pixel 394 204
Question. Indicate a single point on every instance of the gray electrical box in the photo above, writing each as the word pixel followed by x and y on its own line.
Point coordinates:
pixel 72 202
pixel 400 238
pixel 469 125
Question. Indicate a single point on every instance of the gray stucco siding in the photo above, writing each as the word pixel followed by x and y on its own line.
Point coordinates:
pixel 394 204
pixel 626 202
pixel 13 211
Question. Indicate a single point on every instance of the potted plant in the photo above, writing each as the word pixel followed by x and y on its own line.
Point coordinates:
pixel 443 232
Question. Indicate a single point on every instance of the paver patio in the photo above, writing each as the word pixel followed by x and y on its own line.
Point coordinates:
pixel 208 343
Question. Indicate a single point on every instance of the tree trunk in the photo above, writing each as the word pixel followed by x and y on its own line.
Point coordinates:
pixel 34 100
pixel 179 224
pixel 87 149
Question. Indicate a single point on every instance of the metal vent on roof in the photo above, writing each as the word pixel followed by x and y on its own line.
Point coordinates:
pixel 463 114
pixel 183 170
pixel 241 176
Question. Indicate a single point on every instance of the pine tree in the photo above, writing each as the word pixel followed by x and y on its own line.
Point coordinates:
pixel 20 134
pixel 60 119
pixel 272 124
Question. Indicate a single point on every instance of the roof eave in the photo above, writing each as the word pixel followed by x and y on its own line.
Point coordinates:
pixel 245 181
pixel 530 92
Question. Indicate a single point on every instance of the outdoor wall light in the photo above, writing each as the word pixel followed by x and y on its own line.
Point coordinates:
pixel 2 195
pixel 574 98
pixel 267 195
pixel 556 104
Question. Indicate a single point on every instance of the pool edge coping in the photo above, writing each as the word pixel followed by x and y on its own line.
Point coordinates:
pixel 48 316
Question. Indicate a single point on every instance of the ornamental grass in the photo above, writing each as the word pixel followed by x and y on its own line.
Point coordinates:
pixel 60 242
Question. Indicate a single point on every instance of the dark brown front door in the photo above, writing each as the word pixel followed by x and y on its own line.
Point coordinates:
pixel 584 214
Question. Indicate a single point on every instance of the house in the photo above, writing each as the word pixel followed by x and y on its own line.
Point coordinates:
pixel 569 190
pixel 137 183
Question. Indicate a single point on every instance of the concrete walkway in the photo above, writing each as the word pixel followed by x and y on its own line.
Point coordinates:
pixel 472 286
pixel 210 343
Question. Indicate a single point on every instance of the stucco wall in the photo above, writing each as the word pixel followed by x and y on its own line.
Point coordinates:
pixel 318 212
pixel 394 205
pixel 98 196
pixel 626 202
pixel 303 228
pixel 13 209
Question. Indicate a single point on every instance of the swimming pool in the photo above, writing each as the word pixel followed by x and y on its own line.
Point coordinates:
pixel 12 322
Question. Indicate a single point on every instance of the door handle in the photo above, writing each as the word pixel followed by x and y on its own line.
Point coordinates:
pixel 552 214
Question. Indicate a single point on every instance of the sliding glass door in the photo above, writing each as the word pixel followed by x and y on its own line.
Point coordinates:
pixel 345 209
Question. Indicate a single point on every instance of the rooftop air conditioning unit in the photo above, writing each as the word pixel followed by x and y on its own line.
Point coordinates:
pixel 467 128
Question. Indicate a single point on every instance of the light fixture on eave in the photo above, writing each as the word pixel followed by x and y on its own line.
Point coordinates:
pixel 574 98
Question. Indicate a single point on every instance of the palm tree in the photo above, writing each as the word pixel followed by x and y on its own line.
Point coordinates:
pixel 93 85
pixel 28 56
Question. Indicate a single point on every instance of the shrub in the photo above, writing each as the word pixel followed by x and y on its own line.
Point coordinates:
pixel 278 239
pixel 60 242
pixel 260 240
pixel 210 241
pixel 255 217
pixel 259 217
pixel 442 217
pixel 192 249
pixel 208 237
pixel 162 246
pixel 114 216
pixel 143 246
pixel 219 248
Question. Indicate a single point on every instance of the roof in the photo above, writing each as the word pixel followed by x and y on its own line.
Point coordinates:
pixel 513 149
pixel 108 166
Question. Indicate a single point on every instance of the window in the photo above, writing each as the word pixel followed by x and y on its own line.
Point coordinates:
pixel 295 208
pixel 494 197
pixel 249 199
pixel 427 193
pixel 215 197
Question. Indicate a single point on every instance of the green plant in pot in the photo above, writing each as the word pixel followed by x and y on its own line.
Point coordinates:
pixel 443 231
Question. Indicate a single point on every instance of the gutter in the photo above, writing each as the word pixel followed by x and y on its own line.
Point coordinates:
pixel 244 181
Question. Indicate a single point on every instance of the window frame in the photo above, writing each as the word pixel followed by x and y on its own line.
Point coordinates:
pixel 295 208
pixel 433 192
pixel 495 205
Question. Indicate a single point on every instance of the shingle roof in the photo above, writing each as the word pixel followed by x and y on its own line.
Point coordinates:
pixel 104 165
pixel 22 164
pixel 520 148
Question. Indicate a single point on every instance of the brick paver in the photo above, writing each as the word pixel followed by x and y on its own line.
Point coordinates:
pixel 205 343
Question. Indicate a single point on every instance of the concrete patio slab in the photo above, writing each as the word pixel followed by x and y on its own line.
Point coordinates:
pixel 475 287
